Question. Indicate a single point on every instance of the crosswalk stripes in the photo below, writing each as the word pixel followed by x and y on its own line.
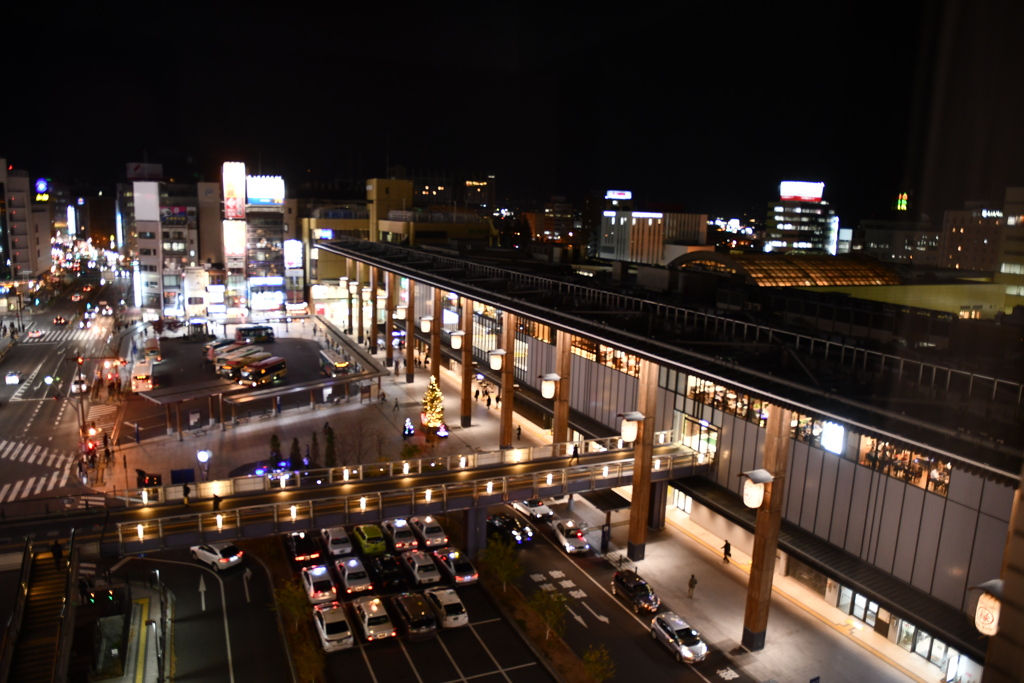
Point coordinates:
pixel 29 453
pixel 57 336
pixel 43 456
pixel 92 500
pixel 105 416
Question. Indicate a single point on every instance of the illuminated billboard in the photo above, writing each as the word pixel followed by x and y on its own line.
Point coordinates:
pixel 264 190
pixel 618 194
pixel 292 254
pixel 800 191
pixel 234 239
pixel 147 200
pixel 234 190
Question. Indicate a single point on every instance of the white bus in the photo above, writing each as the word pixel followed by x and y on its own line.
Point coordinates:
pixel 142 376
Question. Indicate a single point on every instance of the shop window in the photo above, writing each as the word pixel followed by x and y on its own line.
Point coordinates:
pixel 938 656
pixel 699 435
pixel 682 501
pixel 911 466
pixel 905 639
pixel 923 644
pixel 846 600
pixel 809 577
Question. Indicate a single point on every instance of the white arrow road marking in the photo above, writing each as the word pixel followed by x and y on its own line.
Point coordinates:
pixel 247 575
pixel 577 617
pixel 202 592
pixel 599 617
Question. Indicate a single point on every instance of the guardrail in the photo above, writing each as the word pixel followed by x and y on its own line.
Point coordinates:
pixel 374 506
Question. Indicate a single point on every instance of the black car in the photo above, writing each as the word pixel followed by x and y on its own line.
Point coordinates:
pixel 302 547
pixel 388 574
pixel 414 616
pixel 630 587
pixel 509 528
pixel 60 320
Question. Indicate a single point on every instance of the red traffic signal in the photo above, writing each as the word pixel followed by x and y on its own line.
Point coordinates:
pixel 80 360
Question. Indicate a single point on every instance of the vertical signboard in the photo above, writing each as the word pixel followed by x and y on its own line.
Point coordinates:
pixel 147 200
pixel 234 190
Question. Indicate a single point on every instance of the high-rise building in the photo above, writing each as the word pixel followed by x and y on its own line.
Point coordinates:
pixel 648 237
pixel 911 242
pixel 801 221
pixel 972 237
pixel 1011 249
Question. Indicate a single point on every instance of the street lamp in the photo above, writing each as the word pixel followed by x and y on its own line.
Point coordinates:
pixel 753 487
pixel 456 339
pixel 630 427
pixel 986 615
pixel 401 312
pixel 548 384
pixel 497 358
pixel 425 323
pixel 204 463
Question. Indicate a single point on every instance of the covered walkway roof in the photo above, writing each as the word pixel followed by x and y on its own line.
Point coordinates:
pixel 793 270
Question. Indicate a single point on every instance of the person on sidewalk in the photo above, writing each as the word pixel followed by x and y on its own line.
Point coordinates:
pixel 575 454
pixel 726 552
pixel 185 490
pixel 692 585
pixel 395 408
pixel 476 396
pixel 488 402
pixel 519 432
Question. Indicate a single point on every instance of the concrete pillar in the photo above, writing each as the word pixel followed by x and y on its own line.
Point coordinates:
pixel 647 389
pixel 374 332
pixel 659 501
pixel 508 378
pixel 353 276
pixel 220 412
pixel 766 528
pixel 560 422
pixel 177 417
pixel 389 319
pixel 466 325
pixel 361 330
pixel 475 526
pixel 410 334
pixel 435 335
pixel 209 401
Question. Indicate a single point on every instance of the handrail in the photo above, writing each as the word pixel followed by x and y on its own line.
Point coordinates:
pixel 14 622
pixel 66 623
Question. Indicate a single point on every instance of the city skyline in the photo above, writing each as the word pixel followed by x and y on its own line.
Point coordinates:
pixel 688 105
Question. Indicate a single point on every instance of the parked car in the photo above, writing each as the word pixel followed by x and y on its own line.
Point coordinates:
pixel 370 539
pixel 302 547
pixel 429 532
pixel 399 534
pixel 420 567
pixel 456 566
pixel 415 617
pixel 447 606
pixel 628 585
pixel 318 584
pixel 332 626
pixel 682 640
pixel 354 577
pixel 218 556
pixel 373 619
pixel 388 573
pixel 337 541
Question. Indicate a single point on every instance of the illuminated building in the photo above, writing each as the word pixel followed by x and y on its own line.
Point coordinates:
pixel 800 221
pixel 911 242
pixel 650 237
pixel 971 237
pixel 1010 273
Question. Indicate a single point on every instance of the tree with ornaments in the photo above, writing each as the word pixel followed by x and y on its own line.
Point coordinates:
pixel 432 415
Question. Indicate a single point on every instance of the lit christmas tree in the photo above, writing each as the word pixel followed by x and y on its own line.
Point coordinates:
pixel 433 406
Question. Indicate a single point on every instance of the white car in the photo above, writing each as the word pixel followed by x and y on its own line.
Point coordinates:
pixel 332 625
pixel 318 584
pixel 35 334
pixel 14 377
pixel 571 536
pixel 354 577
pixel 337 541
pixel 447 606
pixel 79 386
pixel 534 509
pixel 421 567
pixel 682 640
pixel 219 556
pixel 399 535
pixel 429 531
pixel 373 618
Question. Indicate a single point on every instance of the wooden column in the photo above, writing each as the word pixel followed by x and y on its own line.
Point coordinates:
pixel 361 332
pixel 389 319
pixel 560 421
pixel 766 528
pixel 374 331
pixel 508 377
pixel 466 324
pixel 352 277
pixel 410 334
pixel 647 392
pixel 435 336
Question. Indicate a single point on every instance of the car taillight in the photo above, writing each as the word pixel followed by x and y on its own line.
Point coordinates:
pixel 348 590
pixel 334 589
pixel 224 559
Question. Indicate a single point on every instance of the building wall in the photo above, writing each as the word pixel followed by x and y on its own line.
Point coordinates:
pixel 210 228
pixel 972 239
pixel 385 195
pixel 20 245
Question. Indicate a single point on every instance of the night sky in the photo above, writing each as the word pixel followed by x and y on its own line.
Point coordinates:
pixel 704 104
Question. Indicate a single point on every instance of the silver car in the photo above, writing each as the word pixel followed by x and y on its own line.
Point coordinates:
pixel 571 536
pixel 332 626
pixel 679 637
pixel 373 618
pixel 429 531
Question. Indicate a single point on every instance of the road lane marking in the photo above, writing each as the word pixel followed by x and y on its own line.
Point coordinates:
pixel 39 486
pixel 3 491
pixel 14 491
pixel 28 487
pixel 53 480
pixel 32 458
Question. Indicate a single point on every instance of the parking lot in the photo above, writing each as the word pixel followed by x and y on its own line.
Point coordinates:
pixel 489 649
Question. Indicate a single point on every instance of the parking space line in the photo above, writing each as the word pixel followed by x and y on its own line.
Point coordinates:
pixel 412 666
pixel 485 621
pixel 366 658
pixel 462 676
pixel 487 650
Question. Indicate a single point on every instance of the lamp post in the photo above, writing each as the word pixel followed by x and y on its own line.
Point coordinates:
pixel 549 384
pixel 456 339
pixel 986 614
pixel 204 463
pixel 496 358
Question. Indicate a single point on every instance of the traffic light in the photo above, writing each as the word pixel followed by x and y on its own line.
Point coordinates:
pixel 80 360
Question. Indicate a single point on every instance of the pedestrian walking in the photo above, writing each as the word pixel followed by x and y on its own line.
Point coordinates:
pixel 216 502
pixel 575 453
pixel 692 584
pixel 488 402
pixel 497 399
pixel 726 552
pixel 476 396
pixel 395 408
pixel 185 490
pixel 519 432
pixel 58 554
